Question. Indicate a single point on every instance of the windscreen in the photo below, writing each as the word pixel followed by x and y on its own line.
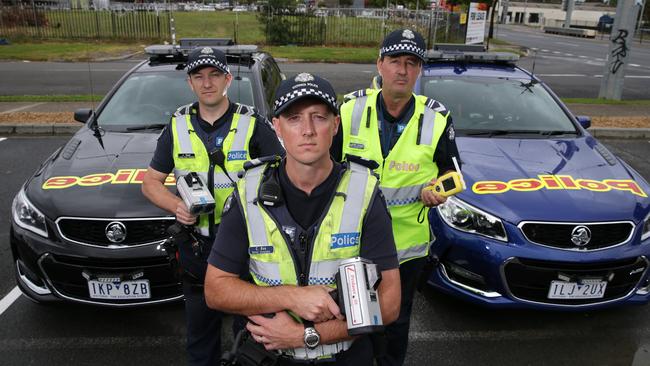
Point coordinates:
pixel 152 97
pixel 497 104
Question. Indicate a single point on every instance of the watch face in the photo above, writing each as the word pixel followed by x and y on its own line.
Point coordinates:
pixel 312 339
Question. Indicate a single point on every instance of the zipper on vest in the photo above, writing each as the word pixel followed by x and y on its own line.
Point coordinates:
pixel 296 264
pixel 211 185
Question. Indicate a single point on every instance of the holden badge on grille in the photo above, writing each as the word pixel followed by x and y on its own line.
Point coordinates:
pixel 580 236
pixel 115 232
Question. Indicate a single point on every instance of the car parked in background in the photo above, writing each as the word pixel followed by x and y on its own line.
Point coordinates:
pixel 82 230
pixel 550 218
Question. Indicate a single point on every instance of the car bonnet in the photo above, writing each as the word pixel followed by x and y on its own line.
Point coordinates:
pixel 571 180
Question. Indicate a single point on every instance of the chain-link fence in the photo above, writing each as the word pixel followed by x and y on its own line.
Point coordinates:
pixel 356 27
pixel 31 21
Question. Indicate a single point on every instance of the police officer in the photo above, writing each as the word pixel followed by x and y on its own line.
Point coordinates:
pixel 279 228
pixel 211 126
pixel 411 140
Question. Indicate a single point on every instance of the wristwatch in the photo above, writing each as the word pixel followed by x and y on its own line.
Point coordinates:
pixel 311 337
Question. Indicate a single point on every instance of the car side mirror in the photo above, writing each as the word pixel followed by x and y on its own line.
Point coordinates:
pixel 585 121
pixel 82 114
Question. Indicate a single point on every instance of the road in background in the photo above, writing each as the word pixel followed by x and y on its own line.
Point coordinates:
pixel 572 67
pixel 444 331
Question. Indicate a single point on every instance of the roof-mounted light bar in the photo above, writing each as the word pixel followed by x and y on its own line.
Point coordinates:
pixel 505 57
pixel 187 44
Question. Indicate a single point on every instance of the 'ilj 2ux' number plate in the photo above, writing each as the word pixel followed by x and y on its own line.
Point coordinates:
pixel 586 289
pixel 126 290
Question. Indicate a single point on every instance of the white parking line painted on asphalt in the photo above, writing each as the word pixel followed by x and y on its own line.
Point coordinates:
pixel 6 301
pixel 635 65
pixel 24 344
pixel 510 335
pixel 543 50
pixel 568 54
pixel 23 107
pixel 581 56
pixel 637 76
pixel 557 52
pixel 2 139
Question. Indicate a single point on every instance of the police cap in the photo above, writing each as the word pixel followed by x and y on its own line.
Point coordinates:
pixel 301 86
pixel 403 41
pixel 207 56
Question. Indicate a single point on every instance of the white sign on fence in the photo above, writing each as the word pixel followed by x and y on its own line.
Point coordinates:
pixel 475 24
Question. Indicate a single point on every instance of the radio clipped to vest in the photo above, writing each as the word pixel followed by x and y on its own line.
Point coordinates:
pixel 195 194
pixel 356 294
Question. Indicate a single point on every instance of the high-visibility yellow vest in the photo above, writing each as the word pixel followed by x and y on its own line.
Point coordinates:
pixel 191 155
pixel 337 238
pixel 408 167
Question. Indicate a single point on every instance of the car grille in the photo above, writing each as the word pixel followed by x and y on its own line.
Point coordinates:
pixel 65 274
pixel 558 235
pixel 93 231
pixel 531 279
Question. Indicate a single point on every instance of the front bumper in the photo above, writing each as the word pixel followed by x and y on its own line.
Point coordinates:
pixel 518 274
pixel 52 269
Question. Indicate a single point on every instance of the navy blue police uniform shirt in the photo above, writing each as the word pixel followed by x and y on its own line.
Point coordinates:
pixel 391 128
pixel 230 249
pixel 263 141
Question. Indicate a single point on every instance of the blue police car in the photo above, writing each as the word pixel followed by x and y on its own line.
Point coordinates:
pixel 549 217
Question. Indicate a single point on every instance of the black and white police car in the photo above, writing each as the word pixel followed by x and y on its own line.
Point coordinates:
pixel 81 229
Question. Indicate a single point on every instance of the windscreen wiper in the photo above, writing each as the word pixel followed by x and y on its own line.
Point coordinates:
pixel 556 133
pixel 153 126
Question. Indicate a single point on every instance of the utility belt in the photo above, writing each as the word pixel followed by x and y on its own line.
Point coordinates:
pixel 191 248
pixel 247 352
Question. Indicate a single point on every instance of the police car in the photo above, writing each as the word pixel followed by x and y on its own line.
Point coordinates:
pixel 549 218
pixel 82 230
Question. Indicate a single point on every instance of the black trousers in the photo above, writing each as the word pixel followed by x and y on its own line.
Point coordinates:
pixel 397 333
pixel 359 354
pixel 203 328
pixel 203 324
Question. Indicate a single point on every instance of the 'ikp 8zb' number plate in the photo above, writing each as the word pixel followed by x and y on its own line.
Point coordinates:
pixel 126 290
pixel 588 289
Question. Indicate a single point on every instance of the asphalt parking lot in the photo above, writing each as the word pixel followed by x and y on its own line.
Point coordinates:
pixel 445 331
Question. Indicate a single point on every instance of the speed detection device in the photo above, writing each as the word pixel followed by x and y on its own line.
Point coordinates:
pixel 195 194
pixel 357 280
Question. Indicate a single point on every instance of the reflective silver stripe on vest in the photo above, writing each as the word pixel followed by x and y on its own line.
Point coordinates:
pixel 426 138
pixel 268 273
pixel 255 219
pixel 402 195
pixel 183 135
pixel 205 231
pixel 357 115
pixel 320 351
pixel 221 180
pixel 415 251
pixel 354 198
pixel 239 142
pixel 323 272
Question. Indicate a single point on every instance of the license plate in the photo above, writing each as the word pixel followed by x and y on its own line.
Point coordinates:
pixel 587 289
pixel 119 290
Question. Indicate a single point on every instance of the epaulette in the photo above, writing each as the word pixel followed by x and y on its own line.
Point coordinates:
pixel 356 94
pixel 245 109
pixel 183 110
pixel 436 106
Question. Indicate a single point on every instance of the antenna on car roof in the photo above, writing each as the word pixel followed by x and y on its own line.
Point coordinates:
pixel 97 131
pixel 534 59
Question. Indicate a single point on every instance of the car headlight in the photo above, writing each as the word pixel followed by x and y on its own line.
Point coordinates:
pixel 27 216
pixel 465 217
pixel 645 234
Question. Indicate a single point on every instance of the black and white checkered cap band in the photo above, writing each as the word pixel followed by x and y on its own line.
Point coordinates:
pixel 208 61
pixel 302 93
pixel 403 47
